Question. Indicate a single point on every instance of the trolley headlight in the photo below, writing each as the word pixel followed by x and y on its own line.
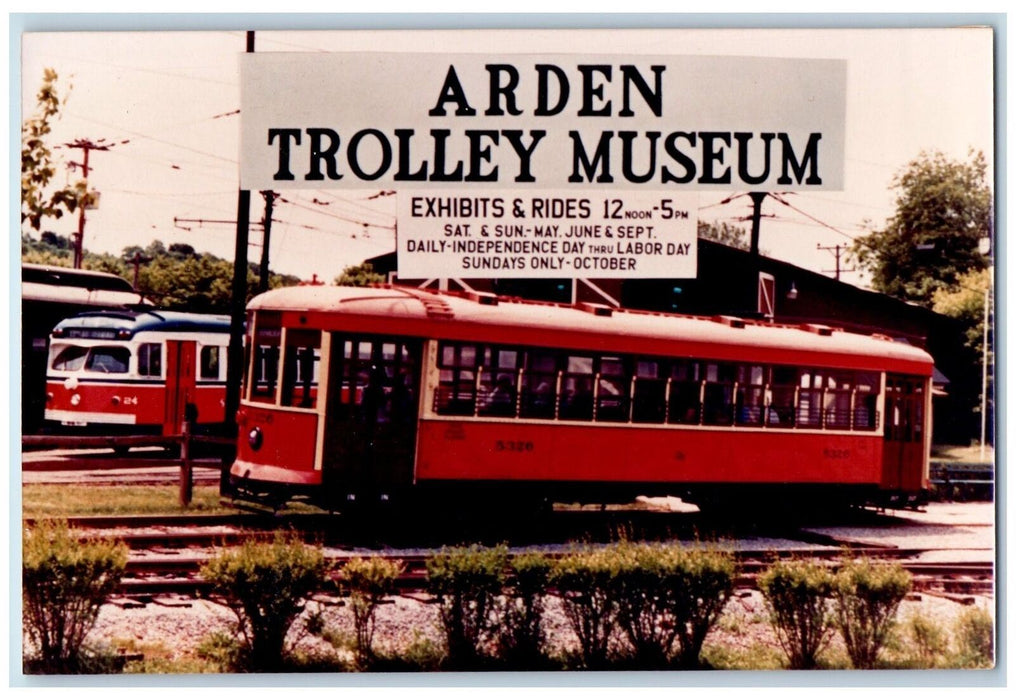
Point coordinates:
pixel 255 439
pixel 75 399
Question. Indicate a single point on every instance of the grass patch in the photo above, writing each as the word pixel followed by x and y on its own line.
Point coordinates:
pixel 69 500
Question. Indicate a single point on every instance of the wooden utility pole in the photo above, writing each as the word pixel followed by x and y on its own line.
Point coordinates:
pixel 137 260
pixel 266 240
pixel 838 251
pixel 86 147
pixel 753 283
pixel 234 360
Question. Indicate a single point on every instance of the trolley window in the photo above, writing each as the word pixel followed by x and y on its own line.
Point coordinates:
pixel 718 393
pixel 613 386
pixel 499 379
pixel 576 400
pixel 457 390
pixel 685 392
pixel 539 385
pixel 70 359
pixel 751 394
pixel 782 397
pixel 264 364
pixel 299 372
pixel 650 392
pixel 108 359
pixel 208 362
pixel 150 359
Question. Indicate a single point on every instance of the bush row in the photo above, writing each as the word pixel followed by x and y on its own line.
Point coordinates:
pixel 644 606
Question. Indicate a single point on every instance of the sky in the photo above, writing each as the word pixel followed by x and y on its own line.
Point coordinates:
pixel 167 105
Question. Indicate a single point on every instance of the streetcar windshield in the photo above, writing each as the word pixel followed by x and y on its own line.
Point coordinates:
pixel 106 359
pixel 70 359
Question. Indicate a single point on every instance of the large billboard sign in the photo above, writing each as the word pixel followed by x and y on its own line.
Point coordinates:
pixel 520 165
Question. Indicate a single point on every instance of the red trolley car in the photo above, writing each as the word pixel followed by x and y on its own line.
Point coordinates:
pixel 138 371
pixel 354 393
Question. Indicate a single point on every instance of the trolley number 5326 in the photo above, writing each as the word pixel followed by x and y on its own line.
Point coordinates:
pixel 513 446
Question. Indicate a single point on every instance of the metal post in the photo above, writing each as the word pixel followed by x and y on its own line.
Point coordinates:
pixel 186 469
pixel 984 372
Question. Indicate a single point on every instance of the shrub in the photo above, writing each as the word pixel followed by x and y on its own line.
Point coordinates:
pixel 928 641
pixel 521 635
pixel 868 596
pixel 668 596
pixel 64 584
pixel 585 580
pixel 266 585
pixel 466 582
pixel 797 596
pixel 975 638
pixel 700 587
pixel 369 581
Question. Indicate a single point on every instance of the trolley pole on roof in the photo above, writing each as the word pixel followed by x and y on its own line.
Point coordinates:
pixel 234 359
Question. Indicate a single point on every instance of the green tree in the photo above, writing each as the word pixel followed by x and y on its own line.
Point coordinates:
pixel 965 301
pixel 943 209
pixel 733 236
pixel 177 277
pixel 38 199
pixel 361 275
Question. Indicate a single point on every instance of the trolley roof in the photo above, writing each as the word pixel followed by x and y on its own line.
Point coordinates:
pixel 486 318
pixel 137 320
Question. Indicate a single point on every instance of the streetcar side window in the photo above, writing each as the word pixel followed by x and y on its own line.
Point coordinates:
pixel 751 394
pixel 685 392
pixel 782 397
pixel 539 385
pixel 866 401
pixel 108 359
pixel 208 362
pixel 838 395
pixel 809 399
pixel 457 390
pixel 613 386
pixel 650 392
pixel 576 400
pixel 70 359
pixel 499 382
pixel 718 393
pixel 150 359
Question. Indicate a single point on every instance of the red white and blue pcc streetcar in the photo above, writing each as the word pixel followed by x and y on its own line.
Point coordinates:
pixel 137 371
pixel 388 392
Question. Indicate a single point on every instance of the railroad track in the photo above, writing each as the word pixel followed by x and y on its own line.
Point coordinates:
pixel 157 571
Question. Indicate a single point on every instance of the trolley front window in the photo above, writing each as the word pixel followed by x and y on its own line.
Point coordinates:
pixel 299 373
pixel 264 368
pixel 108 360
pixel 70 359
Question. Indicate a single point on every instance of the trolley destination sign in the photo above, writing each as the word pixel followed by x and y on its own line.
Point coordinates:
pixel 542 165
